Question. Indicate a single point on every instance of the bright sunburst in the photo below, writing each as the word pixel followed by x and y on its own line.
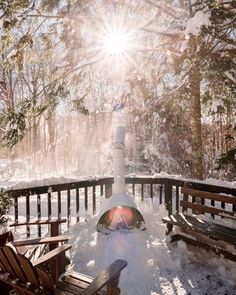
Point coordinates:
pixel 116 43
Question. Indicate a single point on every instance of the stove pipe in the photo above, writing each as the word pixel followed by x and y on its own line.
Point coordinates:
pixel 119 212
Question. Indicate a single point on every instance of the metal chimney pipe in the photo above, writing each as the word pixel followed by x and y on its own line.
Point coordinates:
pixel 119 161
pixel 119 211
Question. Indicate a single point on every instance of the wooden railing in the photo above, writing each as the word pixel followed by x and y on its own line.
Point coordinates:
pixel 77 200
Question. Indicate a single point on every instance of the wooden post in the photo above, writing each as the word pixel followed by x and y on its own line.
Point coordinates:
pixel 108 190
pixel 168 197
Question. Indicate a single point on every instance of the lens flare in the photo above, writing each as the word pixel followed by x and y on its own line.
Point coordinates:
pixel 116 43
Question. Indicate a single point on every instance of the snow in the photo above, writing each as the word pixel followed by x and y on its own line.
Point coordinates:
pixel 24 182
pixel 184 46
pixel 21 183
pixel 230 76
pixel 194 24
pixel 12 53
pixel 216 104
pixel 154 266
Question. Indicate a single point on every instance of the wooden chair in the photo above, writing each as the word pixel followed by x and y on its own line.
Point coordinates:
pixel 42 276
pixel 32 248
pixel 54 231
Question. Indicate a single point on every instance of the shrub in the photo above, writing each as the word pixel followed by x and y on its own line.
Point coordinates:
pixel 6 203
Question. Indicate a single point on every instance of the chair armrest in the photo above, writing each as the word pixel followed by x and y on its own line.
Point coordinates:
pixel 45 240
pixel 110 274
pixel 51 255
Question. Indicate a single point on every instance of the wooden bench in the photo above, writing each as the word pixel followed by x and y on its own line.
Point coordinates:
pixel 28 278
pixel 204 233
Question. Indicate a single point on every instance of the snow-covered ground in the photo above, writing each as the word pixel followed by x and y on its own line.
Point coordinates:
pixel 154 266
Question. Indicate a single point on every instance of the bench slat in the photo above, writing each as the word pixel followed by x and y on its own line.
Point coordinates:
pixel 80 280
pixel 212 230
pixel 208 195
pixel 205 209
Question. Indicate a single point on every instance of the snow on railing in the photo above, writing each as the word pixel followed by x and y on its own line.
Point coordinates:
pixel 79 200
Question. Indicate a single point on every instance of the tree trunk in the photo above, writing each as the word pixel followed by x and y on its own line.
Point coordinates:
pixel 196 127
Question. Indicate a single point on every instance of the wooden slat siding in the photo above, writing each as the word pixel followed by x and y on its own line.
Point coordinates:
pixel 222 205
pixel 78 280
pixel 39 213
pixel 151 191
pixel 11 256
pixel 74 284
pixel 65 288
pixel 68 207
pixel 77 276
pixel 142 192
pixel 77 284
pixel 213 205
pixel 177 199
pixel 205 209
pixel 202 201
pixel 234 208
pixel 27 215
pixel 1 265
pixel 168 197
pixel 5 262
pixel 133 189
pixel 193 201
pixel 101 190
pixel 160 189
pixel 16 209
pixel 29 270
pixel 86 198
pixel 185 199
pixel 94 199
pixel 49 205
pixel 77 204
pixel 59 204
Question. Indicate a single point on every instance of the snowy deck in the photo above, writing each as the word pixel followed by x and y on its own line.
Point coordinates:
pixel 154 266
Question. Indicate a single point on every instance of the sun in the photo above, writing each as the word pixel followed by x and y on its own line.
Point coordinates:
pixel 116 43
